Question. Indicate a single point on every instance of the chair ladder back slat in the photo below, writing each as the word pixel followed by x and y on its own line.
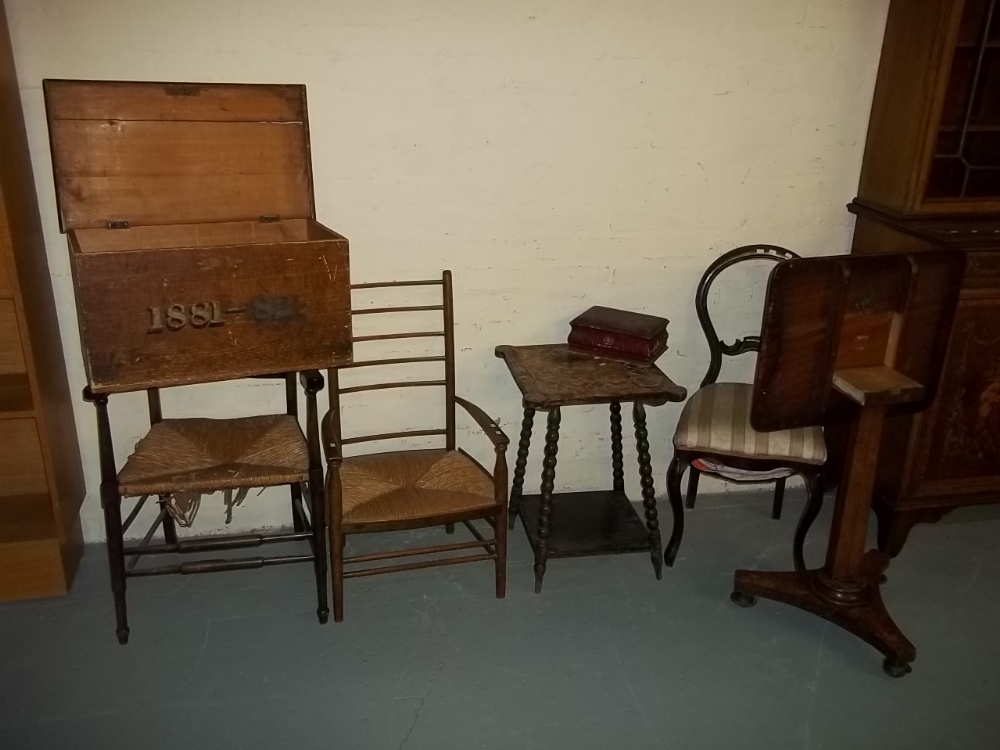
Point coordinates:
pixel 389 386
pixel 391 436
pixel 407 335
pixel 717 347
pixel 449 361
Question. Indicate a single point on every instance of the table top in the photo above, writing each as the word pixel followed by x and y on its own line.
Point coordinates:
pixel 551 375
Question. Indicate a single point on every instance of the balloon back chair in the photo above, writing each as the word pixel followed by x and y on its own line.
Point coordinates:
pixel 714 435
pixel 412 489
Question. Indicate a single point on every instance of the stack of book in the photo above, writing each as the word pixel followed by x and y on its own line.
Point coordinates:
pixel 619 334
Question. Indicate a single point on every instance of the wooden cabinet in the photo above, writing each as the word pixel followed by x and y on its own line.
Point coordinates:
pixel 41 481
pixel 949 456
pixel 933 146
pixel 930 179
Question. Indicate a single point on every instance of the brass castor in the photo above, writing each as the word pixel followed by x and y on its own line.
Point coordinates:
pixel 896 669
pixel 742 600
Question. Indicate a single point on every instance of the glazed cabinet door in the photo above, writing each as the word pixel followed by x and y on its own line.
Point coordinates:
pixel 961 439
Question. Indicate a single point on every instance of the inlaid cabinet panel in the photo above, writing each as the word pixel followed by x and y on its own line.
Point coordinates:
pixel 964 440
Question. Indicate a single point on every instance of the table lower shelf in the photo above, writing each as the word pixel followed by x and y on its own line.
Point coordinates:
pixel 601 522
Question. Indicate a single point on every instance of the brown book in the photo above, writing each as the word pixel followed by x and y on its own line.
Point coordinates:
pixel 619 334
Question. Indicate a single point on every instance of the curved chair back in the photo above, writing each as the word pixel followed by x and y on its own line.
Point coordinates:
pixel 716 345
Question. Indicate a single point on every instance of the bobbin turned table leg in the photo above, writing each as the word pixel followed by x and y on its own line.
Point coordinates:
pixel 617 463
pixel 548 485
pixel 520 465
pixel 648 492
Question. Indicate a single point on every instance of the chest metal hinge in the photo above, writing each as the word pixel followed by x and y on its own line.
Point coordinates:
pixel 269 218
pixel 117 225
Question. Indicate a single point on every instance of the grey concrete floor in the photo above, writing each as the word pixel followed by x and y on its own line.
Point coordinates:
pixel 605 657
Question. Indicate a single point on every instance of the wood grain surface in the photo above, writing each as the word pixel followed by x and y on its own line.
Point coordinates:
pixel 156 153
pixel 278 307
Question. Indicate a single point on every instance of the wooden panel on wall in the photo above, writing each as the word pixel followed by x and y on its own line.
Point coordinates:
pixel 45 388
pixel 31 570
pixel 11 351
pixel 22 470
pixel 5 255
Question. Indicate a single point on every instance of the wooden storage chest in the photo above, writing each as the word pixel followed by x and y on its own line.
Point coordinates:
pixel 189 211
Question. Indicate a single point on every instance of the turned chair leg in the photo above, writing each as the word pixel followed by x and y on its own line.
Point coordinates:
pixel 692 494
pixel 779 499
pixel 337 573
pixel 112 505
pixel 500 535
pixel 317 508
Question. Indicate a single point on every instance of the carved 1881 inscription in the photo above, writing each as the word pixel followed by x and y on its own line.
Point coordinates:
pixel 209 314
pixel 176 317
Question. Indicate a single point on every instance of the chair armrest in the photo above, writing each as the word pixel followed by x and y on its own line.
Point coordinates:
pixel 331 449
pixel 312 381
pixel 491 428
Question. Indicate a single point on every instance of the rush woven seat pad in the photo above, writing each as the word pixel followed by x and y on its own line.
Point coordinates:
pixel 412 485
pixel 204 455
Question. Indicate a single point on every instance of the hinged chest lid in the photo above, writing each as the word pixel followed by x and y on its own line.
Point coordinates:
pixel 178 153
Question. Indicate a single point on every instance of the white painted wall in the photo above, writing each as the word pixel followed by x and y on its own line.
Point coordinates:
pixel 555 154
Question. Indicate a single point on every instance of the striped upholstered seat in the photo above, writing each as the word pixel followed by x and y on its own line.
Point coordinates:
pixel 716 419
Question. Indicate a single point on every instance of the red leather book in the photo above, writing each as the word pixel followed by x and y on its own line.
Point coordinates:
pixel 619 334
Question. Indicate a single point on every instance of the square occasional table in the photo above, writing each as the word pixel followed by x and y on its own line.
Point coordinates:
pixel 575 524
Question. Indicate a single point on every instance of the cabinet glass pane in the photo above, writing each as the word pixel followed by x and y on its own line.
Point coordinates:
pixel 966 161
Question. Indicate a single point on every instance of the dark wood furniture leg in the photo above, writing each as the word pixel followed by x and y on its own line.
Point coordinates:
pixel 617 461
pixel 297 520
pixel 648 492
pixel 292 408
pixel 845 590
pixel 779 499
pixel 674 472
pixel 548 485
pixel 692 494
pixel 317 496
pixel 814 503
pixel 111 503
pixel 169 525
pixel 520 466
